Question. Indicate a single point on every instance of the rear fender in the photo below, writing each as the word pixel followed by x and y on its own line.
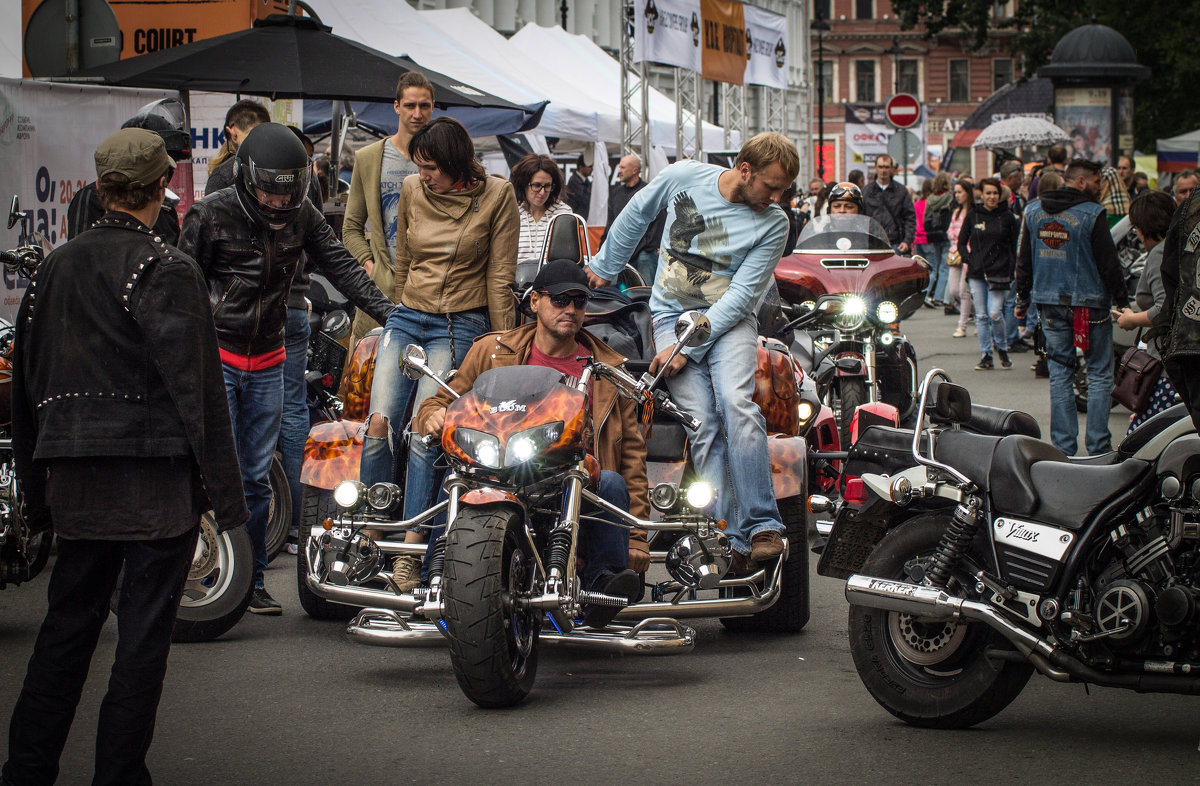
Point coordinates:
pixel 850 364
pixel 332 453
pixel 789 465
pixel 874 413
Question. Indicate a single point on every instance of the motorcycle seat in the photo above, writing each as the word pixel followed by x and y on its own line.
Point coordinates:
pixel 1068 493
pixel 994 420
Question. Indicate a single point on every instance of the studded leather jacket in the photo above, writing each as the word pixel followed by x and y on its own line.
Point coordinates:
pixel 249 269
pixel 115 355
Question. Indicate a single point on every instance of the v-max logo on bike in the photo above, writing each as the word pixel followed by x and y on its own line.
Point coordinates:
pixel 1037 538
pixel 507 406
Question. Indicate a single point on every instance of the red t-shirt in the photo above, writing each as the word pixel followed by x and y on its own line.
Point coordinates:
pixel 569 365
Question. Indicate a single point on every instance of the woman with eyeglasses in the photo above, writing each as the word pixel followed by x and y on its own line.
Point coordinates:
pixel 456 257
pixel 538 183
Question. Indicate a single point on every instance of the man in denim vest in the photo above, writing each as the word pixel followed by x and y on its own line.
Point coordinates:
pixel 1068 266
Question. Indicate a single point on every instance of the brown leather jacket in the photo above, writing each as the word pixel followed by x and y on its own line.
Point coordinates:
pixel 456 252
pixel 617 440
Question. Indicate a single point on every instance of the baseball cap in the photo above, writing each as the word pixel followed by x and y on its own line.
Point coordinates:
pixel 561 275
pixel 136 153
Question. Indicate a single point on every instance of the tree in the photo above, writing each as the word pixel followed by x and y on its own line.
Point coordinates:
pixel 1162 34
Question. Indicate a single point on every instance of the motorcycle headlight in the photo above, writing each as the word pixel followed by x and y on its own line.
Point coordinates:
pixel 481 446
pixel 349 495
pixel 524 445
pixel 852 313
pixel 382 496
pixel 887 313
pixel 664 496
pixel 700 495
pixel 887 338
pixel 805 410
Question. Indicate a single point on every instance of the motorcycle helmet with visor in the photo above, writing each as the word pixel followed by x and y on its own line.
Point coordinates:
pixel 846 192
pixel 167 118
pixel 271 174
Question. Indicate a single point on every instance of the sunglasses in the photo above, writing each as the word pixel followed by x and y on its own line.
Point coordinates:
pixel 564 300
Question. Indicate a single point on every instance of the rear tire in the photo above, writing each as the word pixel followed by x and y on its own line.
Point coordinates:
pixel 790 612
pixel 279 518
pixel 219 583
pixel 316 505
pixel 932 674
pixel 493 644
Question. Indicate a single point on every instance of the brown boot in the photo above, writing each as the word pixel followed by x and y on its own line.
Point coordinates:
pixel 406 572
pixel 766 545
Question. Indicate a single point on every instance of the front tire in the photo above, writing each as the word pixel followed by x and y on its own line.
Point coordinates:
pixel 279 518
pixel 493 643
pixel 790 612
pixel 316 505
pixel 852 393
pixel 933 674
pixel 218 585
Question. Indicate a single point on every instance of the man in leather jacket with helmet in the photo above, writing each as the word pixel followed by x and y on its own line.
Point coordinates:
pixel 249 240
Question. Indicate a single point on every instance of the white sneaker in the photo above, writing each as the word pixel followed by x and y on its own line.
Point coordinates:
pixel 959 333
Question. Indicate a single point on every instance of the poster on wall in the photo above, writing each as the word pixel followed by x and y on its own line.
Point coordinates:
pixel 208 128
pixel 667 32
pixel 1125 121
pixel 866 136
pixel 1085 114
pixel 46 154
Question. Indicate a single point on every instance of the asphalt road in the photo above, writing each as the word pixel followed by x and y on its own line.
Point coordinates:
pixel 290 701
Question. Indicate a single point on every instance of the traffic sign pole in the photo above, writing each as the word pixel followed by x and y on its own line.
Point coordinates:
pixel 903 111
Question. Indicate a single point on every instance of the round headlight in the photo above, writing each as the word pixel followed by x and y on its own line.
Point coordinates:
pixel 521 449
pixel 382 496
pixel 488 454
pixel 700 495
pixel 805 411
pixel 887 313
pixel 664 496
pixel 348 494
pixel 854 306
pixel 886 338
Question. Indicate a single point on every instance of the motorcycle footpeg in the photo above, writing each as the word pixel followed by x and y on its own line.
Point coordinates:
pixel 600 599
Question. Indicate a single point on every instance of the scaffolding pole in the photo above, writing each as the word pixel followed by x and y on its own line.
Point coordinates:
pixel 635 93
pixel 774 105
pixel 689 115
pixel 733 112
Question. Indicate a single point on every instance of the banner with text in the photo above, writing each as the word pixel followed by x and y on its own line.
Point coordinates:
pixel 723 41
pixel 867 132
pixel 668 32
pixel 766 46
pixel 47 153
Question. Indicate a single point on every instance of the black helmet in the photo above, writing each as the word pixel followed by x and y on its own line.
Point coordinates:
pixel 846 192
pixel 167 118
pixel 271 173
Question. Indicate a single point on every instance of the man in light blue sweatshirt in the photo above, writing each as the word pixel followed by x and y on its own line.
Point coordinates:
pixel 724 235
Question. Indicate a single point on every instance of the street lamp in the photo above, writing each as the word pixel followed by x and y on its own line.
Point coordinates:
pixel 821 26
pixel 895 52
pixel 563 8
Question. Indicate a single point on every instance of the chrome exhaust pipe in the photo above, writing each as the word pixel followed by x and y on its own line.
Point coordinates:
pixel 933 603
pixel 715 607
pixel 360 596
pixel 386 628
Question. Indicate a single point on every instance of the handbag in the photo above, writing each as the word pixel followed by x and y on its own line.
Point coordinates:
pixel 1136 378
pixel 954 259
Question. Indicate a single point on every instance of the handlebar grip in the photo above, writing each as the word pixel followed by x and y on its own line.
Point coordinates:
pixel 668 407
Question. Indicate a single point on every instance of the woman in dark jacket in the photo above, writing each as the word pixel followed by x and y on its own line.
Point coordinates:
pixel 988 246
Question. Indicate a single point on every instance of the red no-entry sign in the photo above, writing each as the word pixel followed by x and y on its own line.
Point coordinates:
pixel 903 110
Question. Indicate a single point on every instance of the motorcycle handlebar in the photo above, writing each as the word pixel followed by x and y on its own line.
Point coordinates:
pixel 667 407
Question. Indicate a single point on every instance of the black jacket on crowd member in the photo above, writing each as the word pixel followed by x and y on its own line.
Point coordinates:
pixel 992 235
pixel 618 197
pixel 249 269
pixel 86 209
pixel 893 208
pixel 116 356
pixel 1178 323
pixel 578 194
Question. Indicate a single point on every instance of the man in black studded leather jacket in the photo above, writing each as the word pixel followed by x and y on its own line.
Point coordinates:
pixel 249 240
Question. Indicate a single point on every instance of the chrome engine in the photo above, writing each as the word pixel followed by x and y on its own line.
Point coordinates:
pixel 699 560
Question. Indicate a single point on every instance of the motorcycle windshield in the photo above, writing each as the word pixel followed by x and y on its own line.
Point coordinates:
pixel 841 233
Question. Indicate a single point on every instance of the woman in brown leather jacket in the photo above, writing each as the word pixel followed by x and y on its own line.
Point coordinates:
pixel 456 256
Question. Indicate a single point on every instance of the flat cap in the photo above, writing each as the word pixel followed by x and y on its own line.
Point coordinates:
pixel 136 153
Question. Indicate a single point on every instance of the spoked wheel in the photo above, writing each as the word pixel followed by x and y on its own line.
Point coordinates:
pixel 218 585
pixel 931 673
pixel 851 394
pixel 279 517
pixel 489 571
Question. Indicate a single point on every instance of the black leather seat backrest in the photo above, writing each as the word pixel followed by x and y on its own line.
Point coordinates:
pixel 566 238
pixel 667 442
pixel 994 420
pixel 1009 480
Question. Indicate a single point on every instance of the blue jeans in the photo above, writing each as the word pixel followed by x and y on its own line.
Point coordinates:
pixel 293 428
pixel 1058 324
pixel 730 448
pixel 446 339
pixel 256 407
pixel 647 265
pixel 936 254
pixel 989 315
pixel 1013 333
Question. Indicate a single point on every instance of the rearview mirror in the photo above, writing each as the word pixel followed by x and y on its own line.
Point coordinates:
pixel 415 361
pixel 692 329
pixel 14 212
pixel 953 403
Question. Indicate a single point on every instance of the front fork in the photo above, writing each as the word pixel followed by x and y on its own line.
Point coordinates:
pixel 434 606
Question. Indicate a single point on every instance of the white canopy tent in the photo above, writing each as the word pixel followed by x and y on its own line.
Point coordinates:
pixel 10 40
pixel 1184 143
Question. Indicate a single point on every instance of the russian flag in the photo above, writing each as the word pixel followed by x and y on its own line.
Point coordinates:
pixel 1176 161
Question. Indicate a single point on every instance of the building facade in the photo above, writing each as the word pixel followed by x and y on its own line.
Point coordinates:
pixel 858 63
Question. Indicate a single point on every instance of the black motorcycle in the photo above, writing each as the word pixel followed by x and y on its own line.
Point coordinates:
pixel 1085 571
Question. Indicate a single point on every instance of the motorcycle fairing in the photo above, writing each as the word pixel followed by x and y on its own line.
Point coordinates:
pixel 777 379
pixel 332 453
pixel 356 386
pixel 789 465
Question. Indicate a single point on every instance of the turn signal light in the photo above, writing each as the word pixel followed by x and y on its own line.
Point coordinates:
pixel 327 524
pixel 722 524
